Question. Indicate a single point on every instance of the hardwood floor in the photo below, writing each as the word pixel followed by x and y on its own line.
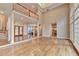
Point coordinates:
pixel 40 47
pixel 3 42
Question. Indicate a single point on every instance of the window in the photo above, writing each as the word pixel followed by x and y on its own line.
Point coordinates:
pixel 76 26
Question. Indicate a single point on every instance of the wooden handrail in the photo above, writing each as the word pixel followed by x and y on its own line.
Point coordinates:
pixel 28 10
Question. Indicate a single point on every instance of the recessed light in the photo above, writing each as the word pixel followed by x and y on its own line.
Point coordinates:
pixel 33 6
pixel 21 17
pixel 1 12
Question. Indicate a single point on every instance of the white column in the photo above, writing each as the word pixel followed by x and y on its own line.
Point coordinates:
pixel 8 25
pixel 11 28
pixel 38 30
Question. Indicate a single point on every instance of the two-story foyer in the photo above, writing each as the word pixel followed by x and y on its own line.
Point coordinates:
pixel 39 29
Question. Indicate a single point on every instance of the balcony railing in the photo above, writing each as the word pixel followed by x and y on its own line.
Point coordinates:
pixel 20 8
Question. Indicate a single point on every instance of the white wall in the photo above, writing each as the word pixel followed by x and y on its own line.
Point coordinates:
pixel 46 30
pixel 25 29
pixel 62 28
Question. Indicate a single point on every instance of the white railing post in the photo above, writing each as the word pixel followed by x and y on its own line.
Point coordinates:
pixel 38 30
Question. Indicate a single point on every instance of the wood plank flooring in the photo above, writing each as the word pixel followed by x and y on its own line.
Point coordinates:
pixel 3 42
pixel 40 47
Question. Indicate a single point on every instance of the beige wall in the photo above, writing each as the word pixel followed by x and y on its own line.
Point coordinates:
pixel 57 15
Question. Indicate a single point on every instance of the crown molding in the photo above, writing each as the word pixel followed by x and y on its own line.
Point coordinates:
pixel 50 7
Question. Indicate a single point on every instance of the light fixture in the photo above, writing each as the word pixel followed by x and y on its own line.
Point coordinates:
pixel 43 5
pixel 21 18
pixel 1 12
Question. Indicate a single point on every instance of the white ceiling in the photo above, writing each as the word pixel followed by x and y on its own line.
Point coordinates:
pixel 7 7
pixel 44 5
pixel 30 6
pixel 48 6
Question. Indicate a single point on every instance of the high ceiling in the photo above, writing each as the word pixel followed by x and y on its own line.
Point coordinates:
pixel 44 5
pixel 30 6
pixel 48 6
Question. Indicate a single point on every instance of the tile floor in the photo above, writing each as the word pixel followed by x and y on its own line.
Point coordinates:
pixel 40 47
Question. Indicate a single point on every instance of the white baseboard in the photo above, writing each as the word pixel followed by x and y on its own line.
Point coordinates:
pixel 30 40
pixel 62 38
pixel 27 40
pixel 57 37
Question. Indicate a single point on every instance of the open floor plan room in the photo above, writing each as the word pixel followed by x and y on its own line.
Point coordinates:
pixel 39 29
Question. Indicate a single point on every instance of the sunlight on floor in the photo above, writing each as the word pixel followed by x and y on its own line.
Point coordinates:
pixel 41 47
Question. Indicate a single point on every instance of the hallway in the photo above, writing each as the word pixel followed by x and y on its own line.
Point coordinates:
pixel 40 47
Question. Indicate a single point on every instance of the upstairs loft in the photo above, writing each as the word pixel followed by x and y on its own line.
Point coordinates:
pixel 26 11
pixel 29 10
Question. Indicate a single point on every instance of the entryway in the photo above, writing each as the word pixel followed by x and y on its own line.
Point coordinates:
pixel 54 30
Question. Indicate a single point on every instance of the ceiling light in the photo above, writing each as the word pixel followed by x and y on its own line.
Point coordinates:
pixel 21 17
pixel 44 5
pixel 1 12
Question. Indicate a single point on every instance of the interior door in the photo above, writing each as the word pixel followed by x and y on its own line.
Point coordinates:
pixel 54 30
